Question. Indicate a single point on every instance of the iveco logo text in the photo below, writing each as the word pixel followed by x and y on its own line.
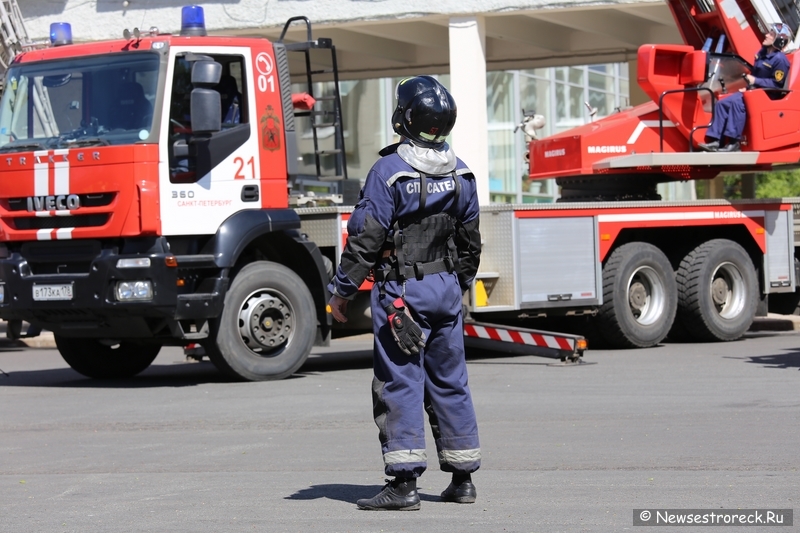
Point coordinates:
pixel 555 153
pixel 607 149
pixel 53 203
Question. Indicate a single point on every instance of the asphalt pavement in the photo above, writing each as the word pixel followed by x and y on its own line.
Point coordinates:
pixel 565 448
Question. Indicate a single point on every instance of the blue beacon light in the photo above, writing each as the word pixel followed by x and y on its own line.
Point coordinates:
pixel 193 21
pixel 60 33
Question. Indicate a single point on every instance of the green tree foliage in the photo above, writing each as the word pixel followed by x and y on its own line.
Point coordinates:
pixel 732 187
pixel 778 184
pixel 775 184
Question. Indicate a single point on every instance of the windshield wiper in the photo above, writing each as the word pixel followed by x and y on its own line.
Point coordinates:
pixel 85 141
pixel 21 147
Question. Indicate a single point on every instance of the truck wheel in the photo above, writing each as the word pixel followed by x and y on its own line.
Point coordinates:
pixel 267 326
pixel 95 359
pixel 639 296
pixel 717 291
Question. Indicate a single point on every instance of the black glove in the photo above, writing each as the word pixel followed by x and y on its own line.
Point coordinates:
pixel 406 332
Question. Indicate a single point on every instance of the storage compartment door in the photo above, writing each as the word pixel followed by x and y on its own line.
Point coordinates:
pixel 558 264
pixel 779 271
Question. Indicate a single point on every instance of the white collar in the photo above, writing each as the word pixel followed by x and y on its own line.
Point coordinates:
pixel 431 161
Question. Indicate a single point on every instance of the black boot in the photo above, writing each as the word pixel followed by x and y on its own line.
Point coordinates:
pixel 460 490
pixel 733 146
pixel 711 146
pixel 399 494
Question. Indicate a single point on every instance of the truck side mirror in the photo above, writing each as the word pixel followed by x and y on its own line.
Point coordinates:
pixel 206 110
pixel 206 73
pixel 205 106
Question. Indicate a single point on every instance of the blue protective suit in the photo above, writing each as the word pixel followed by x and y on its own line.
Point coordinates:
pixel 436 378
pixel 771 68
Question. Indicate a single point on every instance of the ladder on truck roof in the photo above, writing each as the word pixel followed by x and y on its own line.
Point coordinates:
pixel 325 114
pixel 15 39
pixel 12 33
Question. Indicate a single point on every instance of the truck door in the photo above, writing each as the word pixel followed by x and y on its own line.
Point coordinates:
pixel 195 200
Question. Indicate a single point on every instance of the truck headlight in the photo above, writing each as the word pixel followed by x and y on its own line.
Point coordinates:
pixel 134 291
pixel 2 292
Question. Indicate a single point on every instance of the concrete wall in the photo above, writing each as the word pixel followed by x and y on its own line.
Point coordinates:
pixel 103 19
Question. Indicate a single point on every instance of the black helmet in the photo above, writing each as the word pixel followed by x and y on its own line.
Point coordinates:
pixel 783 35
pixel 425 113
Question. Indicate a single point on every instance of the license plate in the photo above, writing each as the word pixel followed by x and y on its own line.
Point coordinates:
pixel 52 292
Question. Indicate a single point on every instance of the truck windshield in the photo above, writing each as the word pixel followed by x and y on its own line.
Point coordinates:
pixel 86 101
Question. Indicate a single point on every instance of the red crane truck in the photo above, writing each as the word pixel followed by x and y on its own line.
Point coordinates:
pixel 644 268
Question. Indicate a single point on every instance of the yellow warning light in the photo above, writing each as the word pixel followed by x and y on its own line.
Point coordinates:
pixel 181 282
pixel 582 344
pixel 605 236
pixel 760 231
pixel 328 308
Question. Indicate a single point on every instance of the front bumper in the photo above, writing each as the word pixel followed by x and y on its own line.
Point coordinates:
pixel 94 310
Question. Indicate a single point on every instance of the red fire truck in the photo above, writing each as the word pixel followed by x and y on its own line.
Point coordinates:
pixel 143 200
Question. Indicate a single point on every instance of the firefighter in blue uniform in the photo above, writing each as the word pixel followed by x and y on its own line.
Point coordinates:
pixel 770 71
pixel 415 230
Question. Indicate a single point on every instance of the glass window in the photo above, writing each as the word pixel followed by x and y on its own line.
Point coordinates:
pixel 502 161
pixel 624 89
pixel 603 102
pixel 85 100
pixel 364 120
pixel 233 108
pixel 499 89
pixel 576 75
pixel 232 89
pixel 535 98
pixel 561 103
pixel 576 103
pixel 601 81
pixel 501 111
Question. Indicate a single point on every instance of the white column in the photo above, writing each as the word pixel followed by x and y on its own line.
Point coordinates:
pixel 470 137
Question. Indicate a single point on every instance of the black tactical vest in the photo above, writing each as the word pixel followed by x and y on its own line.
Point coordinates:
pixel 423 244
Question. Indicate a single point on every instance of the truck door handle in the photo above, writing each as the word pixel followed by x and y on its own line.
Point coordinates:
pixel 250 193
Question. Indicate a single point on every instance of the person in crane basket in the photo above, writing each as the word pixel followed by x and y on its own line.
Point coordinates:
pixel 415 228
pixel 770 70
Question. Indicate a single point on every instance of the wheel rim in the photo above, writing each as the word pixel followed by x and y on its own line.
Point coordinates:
pixel 646 295
pixel 728 293
pixel 266 322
